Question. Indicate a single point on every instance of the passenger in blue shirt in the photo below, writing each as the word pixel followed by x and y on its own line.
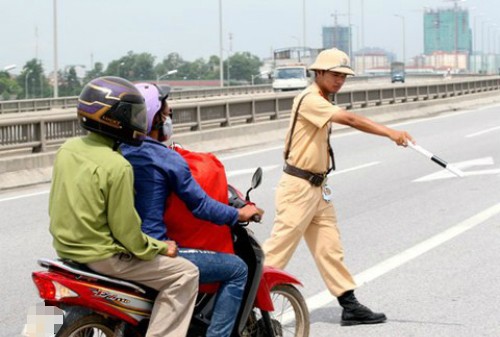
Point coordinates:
pixel 159 171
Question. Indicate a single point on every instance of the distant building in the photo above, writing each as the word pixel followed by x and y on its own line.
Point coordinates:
pixel 337 37
pixel 447 30
pixel 442 61
pixel 372 60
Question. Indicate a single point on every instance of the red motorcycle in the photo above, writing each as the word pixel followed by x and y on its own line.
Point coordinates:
pixel 97 305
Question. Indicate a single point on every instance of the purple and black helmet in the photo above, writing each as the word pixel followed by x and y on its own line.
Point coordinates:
pixel 112 106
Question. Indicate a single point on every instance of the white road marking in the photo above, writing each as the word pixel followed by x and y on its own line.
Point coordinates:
pixel 324 298
pixel 250 153
pixel 444 174
pixel 354 168
pixel 355 131
pixel 250 170
pixel 24 196
pixel 482 132
pixel 229 174
pixel 335 173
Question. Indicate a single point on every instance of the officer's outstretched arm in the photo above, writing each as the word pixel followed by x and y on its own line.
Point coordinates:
pixel 367 125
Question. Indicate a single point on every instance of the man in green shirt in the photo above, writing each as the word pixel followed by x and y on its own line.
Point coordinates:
pixel 92 215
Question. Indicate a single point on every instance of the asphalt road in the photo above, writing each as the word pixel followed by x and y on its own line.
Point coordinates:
pixel 422 244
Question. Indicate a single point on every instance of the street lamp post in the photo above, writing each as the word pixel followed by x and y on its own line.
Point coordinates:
pixel 349 37
pixel 9 67
pixel 475 49
pixel 230 50
pixel 41 84
pixel 404 36
pixel 491 52
pixel 170 72
pixel 258 75
pixel 304 23
pixel 228 71
pixel 26 83
pixel 362 33
pixel 56 66
pixel 221 62
pixel 456 36
pixel 490 49
pixel 253 78
pixel 482 44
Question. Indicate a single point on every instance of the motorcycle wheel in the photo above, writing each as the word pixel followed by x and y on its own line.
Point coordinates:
pixel 86 326
pixel 290 317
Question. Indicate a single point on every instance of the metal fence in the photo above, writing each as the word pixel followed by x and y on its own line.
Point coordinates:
pixel 37 132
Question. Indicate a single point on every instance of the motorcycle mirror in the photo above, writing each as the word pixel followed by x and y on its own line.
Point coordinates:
pixel 256 180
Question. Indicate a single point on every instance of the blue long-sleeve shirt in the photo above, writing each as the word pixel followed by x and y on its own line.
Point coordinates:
pixel 159 171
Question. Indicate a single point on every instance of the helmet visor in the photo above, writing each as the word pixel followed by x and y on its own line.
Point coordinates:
pixel 133 114
pixel 138 118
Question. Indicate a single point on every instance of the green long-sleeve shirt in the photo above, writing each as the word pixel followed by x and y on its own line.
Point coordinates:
pixel 91 206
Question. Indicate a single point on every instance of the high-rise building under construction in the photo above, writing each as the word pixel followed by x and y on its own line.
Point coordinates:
pixel 447 30
pixel 337 37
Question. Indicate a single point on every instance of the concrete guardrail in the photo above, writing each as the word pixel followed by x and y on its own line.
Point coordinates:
pixel 43 104
pixel 40 132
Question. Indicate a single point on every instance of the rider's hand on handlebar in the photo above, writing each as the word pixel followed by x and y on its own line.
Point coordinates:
pixel 172 249
pixel 248 211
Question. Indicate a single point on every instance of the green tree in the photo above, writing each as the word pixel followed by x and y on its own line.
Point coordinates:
pixel 8 86
pixel 173 61
pixel 32 80
pixel 133 67
pixel 143 68
pixel 98 71
pixel 214 66
pixel 197 70
pixel 242 66
pixel 70 84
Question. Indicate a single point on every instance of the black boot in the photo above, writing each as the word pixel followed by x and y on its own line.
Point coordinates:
pixel 355 313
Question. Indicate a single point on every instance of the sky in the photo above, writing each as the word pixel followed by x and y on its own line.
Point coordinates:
pixel 105 30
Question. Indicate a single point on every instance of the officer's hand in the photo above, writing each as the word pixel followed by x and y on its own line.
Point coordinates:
pixel 172 248
pixel 401 138
pixel 246 212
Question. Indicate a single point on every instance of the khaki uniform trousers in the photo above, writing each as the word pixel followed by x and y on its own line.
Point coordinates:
pixel 176 280
pixel 301 211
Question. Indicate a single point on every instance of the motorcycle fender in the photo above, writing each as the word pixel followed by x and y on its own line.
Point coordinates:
pixel 270 278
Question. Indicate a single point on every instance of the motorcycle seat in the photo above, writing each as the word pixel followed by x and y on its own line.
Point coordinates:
pixel 82 270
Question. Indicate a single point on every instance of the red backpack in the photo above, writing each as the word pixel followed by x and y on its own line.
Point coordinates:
pixel 183 227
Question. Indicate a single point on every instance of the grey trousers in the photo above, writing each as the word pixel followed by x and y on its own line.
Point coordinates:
pixel 176 280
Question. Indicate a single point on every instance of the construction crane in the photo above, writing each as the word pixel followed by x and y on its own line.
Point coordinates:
pixel 335 16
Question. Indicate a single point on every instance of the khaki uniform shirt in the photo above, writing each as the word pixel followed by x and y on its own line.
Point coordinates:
pixel 91 206
pixel 309 147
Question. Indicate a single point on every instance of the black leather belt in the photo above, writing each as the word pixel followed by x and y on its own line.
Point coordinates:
pixel 314 178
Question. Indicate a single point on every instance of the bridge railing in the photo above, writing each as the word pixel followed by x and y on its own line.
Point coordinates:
pixel 41 104
pixel 39 132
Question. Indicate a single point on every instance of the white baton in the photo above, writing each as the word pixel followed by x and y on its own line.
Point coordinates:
pixel 436 159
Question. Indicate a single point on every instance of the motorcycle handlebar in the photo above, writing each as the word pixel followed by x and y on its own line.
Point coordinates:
pixel 256 218
pixel 236 200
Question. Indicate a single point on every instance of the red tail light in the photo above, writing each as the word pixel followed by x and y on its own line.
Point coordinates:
pixel 49 287
pixel 45 287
